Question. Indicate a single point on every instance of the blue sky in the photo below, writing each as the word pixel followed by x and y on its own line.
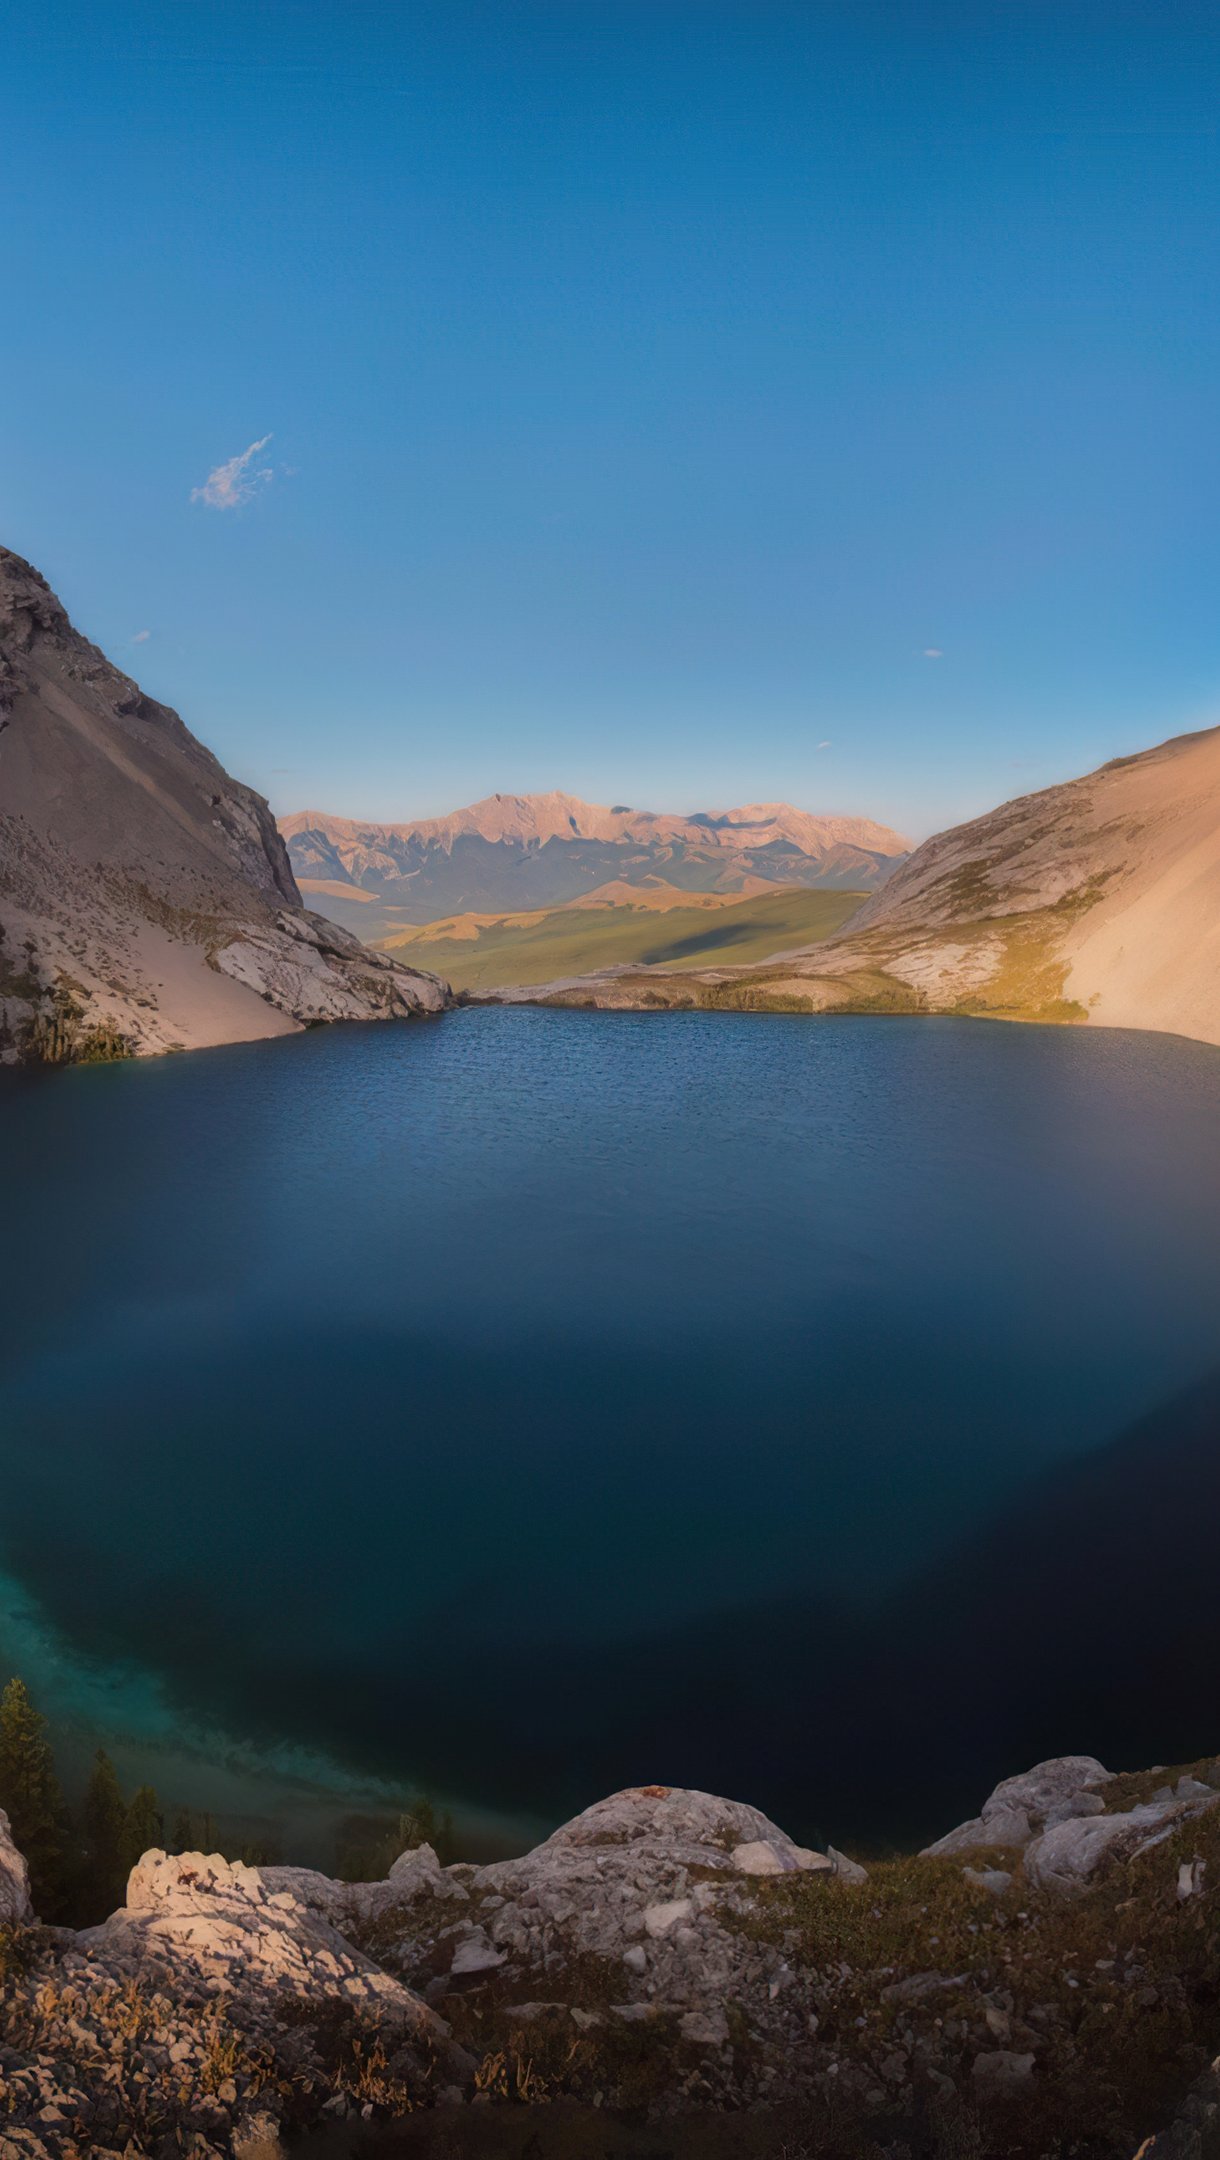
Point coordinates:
pixel 650 389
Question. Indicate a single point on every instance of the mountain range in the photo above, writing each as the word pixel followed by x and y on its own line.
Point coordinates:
pixel 1095 901
pixel 146 898
pixel 148 901
pixel 523 852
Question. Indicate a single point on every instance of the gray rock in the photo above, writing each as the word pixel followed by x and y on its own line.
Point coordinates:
pixel 15 1906
pixel 475 1954
pixel 917 1986
pixel 760 1857
pixel 997 1880
pixel 847 1871
pixel 1076 1804
pixel 417 1873
pixel 705 2028
pixel 1190 1879
pixel 1019 1806
pixel 195 1915
pixel 1007 1827
pixel 659 1919
pixel 999 2074
pixel 1064 1858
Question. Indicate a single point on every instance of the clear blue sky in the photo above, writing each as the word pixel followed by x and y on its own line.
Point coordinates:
pixel 649 387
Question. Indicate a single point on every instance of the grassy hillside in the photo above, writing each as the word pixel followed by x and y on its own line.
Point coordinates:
pixel 500 952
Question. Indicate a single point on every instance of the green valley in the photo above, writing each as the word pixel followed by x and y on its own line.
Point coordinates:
pixel 493 952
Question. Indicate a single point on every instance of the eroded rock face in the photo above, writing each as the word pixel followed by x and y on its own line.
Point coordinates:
pixel 1057 1790
pixel 415 1874
pixel 647 1884
pixel 1070 1851
pixel 196 1916
pixel 146 898
pixel 15 1906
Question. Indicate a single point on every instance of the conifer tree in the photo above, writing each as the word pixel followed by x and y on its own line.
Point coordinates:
pixel 144 1828
pixel 104 1821
pixel 30 1796
pixel 182 1836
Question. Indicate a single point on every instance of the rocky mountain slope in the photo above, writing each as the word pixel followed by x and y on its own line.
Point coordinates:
pixel 146 898
pixel 1043 1980
pixel 1094 902
pixel 522 852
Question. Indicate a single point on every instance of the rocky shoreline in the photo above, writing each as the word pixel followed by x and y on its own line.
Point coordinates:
pixel 1044 1979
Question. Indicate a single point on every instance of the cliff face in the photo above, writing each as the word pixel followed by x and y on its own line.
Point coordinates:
pixel 1094 902
pixel 146 898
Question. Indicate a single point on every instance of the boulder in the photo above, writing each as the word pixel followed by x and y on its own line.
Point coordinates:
pixel 997 1880
pixel 195 1918
pixel 417 1873
pixel 15 1907
pixel 999 2074
pixel 642 1881
pixel 1068 1854
pixel 1064 1786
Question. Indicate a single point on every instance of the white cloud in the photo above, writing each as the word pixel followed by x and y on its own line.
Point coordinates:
pixel 141 637
pixel 229 485
pixel 933 652
pixel 823 746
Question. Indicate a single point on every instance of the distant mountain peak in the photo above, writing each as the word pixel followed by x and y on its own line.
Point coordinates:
pixel 523 851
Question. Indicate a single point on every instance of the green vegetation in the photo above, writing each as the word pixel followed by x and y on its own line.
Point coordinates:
pixel 31 1797
pixel 511 950
pixel 59 1035
pixel 79 1860
pixel 1027 982
pixel 1116 1991
pixel 368 1845
pixel 104 1863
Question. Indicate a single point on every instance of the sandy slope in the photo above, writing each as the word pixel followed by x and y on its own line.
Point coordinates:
pixel 146 898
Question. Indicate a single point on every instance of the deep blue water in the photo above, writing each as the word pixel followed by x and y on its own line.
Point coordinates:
pixel 500 1402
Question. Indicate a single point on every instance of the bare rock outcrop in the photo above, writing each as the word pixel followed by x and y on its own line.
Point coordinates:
pixel 666 1950
pixel 195 1918
pixel 15 1906
pixel 1061 1817
pixel 1062 1787
pixel 147 901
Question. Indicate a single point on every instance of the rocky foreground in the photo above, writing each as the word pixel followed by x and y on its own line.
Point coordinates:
pixel 146 898
pixel 1044 1980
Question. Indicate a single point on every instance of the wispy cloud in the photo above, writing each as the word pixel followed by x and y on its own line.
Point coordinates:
pixel 823 746
pixel 141 637
pixel 933 652
pixel 235 482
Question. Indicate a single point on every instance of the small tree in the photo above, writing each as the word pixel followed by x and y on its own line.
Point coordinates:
pixel 182 1836
pixel 104 1821
pixel 144 1827
pixel 30 1796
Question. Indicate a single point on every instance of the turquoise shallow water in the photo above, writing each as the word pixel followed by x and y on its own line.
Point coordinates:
pixel 415 1398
